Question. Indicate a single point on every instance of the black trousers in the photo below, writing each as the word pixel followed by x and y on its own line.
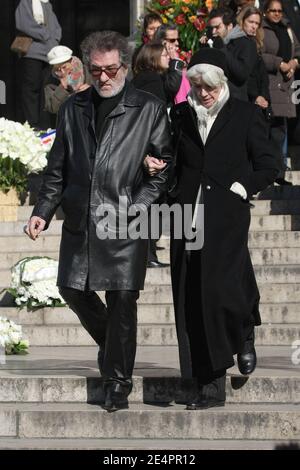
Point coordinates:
pixel 35 74
pixel 113 327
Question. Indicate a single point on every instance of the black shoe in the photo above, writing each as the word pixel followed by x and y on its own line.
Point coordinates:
pixel 204 403
pixel 247 362
pixel 283 182
pixel 209 395
pixel 157 264
pixel 247 358
pixel 116 397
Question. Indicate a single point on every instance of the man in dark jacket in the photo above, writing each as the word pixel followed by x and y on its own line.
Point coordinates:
pixel 292 11
pixel 240 51
pixel 96 163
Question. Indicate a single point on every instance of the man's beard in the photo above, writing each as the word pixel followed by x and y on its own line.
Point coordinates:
pixel 115 90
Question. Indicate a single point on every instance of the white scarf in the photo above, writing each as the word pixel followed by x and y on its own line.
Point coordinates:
pixel 37 11
pixel 206 117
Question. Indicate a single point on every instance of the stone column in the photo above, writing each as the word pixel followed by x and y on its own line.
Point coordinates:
pixel 137 8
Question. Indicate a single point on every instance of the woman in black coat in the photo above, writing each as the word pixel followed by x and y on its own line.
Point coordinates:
pixel 224 157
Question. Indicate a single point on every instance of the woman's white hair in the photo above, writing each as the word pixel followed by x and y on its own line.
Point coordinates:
pixel 210 75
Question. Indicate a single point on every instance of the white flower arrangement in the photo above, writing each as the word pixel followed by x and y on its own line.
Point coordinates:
pixel 19 141
pixel 22 151
pixel 11 337
pixel 33 283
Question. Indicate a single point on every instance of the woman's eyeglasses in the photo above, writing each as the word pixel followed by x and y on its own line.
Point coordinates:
pixel 172 40
pixel 275 11
pixel 111 72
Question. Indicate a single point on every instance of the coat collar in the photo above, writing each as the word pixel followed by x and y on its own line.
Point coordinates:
pixel 129 99
pixel 84 102
pixel 189 118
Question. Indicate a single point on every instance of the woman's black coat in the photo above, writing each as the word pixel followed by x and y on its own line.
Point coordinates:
pixel 137 126
pixel 237 149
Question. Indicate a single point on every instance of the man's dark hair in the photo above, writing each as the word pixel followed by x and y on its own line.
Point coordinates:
pixel 150 18
pixel 226 14
pixel 161 32
pixel 105 41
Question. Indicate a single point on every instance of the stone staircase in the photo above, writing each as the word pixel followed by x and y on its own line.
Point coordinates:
pixel 50 398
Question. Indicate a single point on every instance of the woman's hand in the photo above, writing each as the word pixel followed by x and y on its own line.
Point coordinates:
pixel 171 49
pixel 262 102
pixel 153 165
pixel 285 67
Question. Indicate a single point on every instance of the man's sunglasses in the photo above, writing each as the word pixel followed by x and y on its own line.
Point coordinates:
pixel 111 72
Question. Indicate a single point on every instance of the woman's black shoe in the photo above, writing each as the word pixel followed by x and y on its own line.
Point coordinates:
pixel 247 358
pixel 209 395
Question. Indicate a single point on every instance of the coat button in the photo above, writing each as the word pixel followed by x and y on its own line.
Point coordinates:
pixel 208 187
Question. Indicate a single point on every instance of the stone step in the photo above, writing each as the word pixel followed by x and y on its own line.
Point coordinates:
pixel 280 192
pixel 269 293
pixel 275 256
pixel 62 420
pixel 274 239
pixel 258 223
pixel 155 294
pixel 158 314
pixel 148 335
pixel 47 245
pixel 293 176
pixel 38 388
pixel 65 316
pixel 276 207
pixel 158 276
pixel 261 207
pixel 7 260
pixel 260 256
pixel 24 213
pixel 149 445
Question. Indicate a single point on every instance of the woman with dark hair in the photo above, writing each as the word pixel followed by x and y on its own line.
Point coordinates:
pixel 151 64
pixel 281 51
pixel 150 74
pixel 250 21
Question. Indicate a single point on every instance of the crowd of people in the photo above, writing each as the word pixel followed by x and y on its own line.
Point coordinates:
pixel 209 134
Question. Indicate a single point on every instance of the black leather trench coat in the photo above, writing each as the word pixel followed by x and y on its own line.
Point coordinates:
pixel 223 281
pixel 83 174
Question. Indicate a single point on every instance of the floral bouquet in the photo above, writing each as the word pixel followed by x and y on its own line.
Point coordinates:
pixel 11 338
pixel 190 16
pixel 33 283
pixel 22 151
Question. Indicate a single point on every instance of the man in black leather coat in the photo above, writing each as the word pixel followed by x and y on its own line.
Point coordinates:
pixel 103 136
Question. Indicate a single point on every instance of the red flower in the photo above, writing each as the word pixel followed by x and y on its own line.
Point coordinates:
pixel 202 11
pixel 180 19
pixel 199 24
pixel 164 3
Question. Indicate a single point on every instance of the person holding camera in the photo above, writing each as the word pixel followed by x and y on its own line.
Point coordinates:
pixel 240 51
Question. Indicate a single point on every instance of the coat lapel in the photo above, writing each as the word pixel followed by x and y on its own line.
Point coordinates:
pixel 84 102
pixel 222 119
